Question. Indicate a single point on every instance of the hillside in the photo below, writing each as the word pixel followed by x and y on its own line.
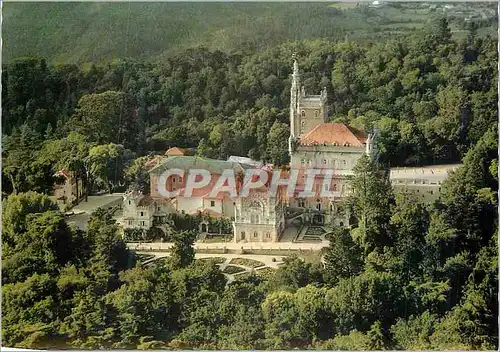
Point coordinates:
pixel 90 32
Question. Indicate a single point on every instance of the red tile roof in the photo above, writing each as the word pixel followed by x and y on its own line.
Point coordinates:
pixel 153 162
pixel 63 172
pixel 175 151
pixel 145 201
pixel 334 134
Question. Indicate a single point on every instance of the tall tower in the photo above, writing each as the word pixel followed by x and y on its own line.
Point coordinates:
pixel 294 106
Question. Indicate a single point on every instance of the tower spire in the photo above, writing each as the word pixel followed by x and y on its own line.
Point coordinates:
pixel 294 103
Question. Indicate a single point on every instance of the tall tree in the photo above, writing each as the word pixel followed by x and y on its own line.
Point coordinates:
pixel 370 201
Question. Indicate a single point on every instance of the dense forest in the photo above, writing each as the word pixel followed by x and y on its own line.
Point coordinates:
pixel 409 275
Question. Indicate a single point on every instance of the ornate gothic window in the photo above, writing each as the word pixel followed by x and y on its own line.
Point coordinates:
pixel 254 218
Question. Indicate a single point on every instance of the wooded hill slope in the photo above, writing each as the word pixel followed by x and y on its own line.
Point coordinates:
pixel 90 32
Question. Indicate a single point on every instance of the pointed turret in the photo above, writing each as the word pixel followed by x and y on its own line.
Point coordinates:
pixel 294 104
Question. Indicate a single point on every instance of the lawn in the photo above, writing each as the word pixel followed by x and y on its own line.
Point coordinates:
pixel 231 269
pixel 265 273
pixel 251 263
pixel 216 260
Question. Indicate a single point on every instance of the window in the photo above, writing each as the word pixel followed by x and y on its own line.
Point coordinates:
pixel 142 213
pixel 318 204
pixel 129 202
pixel 254 218
pixel 316 113
pixel 159 208
pixel 242 235
pixel 344 163
pixel 268 235
pixel 301 203
pixel 432 192
pixel 255 234
pixel 143 223
pixel 303 161
pixel 324 161
pixel 130 222
pixel 303 113
pixel 335 187
pixel 334 163
pixel 212 203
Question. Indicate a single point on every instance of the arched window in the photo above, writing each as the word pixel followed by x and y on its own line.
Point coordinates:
pixel 324 161
pixel 303 113
pixel 316 113
pixel 335 187
pixel 254 218
pixel 318 204
pixel 255 234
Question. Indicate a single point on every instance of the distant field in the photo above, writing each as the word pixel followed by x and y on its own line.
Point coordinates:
pixel 93 31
